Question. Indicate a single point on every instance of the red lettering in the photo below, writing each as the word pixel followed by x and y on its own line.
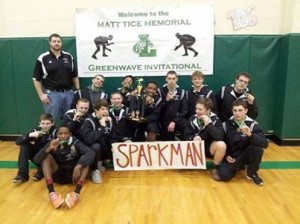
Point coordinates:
pixel 142 154
pixel 177 152
pixel 160 154
pixel 197 153
pixel 189 155
pixel 132 149
pixel 124 154
pixel 150 147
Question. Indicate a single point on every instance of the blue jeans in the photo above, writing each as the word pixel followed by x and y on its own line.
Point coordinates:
pixel 60 103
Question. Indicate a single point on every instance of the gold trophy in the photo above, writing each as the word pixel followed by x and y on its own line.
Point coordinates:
pixel 137 103
pixel 139 86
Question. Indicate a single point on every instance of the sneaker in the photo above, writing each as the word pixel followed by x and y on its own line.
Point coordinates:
pixel 71 199
pixel 38 175
pixel 20 179
pixel 215 174
pixel 255 178
pixel 96 177
pixel 100 166
pixel 56 199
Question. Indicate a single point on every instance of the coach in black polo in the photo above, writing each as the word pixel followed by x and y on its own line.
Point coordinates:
pixel 54 76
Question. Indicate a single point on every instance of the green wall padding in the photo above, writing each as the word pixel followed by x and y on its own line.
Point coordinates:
pixel 8 113
pixel 291 124
pixel 287 108
pixel 231 57
pixel 28 106
pixel 263 67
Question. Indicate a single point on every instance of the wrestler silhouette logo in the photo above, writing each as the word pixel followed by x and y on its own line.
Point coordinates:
pixel 142 47
pixel 187 42
pixel 102 41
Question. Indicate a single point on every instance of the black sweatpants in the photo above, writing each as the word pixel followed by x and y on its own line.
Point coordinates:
pixel 251 157
pixel 27 152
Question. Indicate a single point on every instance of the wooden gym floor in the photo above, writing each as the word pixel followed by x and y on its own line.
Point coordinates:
pixel 160 197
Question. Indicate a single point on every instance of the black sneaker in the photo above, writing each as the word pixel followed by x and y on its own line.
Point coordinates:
pixel 20 179
pixel 256 179
pixel 38 176
pixel 215 174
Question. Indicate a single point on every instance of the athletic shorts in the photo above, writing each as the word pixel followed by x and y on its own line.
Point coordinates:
pixel 63 175
pixel 207 151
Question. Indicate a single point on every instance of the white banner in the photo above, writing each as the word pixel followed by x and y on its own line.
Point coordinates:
pixel 145 41
pixel 159 155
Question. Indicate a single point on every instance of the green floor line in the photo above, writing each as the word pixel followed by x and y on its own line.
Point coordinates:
pixel 264 165
pixel 280 165
pixel 12 165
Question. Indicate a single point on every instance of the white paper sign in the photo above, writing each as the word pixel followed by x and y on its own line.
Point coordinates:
pixel 159 155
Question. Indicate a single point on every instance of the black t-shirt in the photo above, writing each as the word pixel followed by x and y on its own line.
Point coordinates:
pixel 55 73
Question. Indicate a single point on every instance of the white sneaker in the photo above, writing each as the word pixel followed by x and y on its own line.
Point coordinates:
pixel 100 166
pixel 96 177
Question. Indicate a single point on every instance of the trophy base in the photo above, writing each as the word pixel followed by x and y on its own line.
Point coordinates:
pixel 140 119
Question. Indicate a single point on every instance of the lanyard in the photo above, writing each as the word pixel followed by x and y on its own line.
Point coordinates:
pixel 118 118
pixel 239 123
pixel 199 122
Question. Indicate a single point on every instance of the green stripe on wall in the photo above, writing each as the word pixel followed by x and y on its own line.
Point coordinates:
pixel 264 165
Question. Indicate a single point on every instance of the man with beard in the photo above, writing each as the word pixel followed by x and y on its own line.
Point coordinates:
pixel 54 76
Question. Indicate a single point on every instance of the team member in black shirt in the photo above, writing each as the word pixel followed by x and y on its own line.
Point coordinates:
pixel 96 132
pixel 65 160
pixel 92 93
pixel 230 93
pixel 74 118
pixel 151 107
pixel 174 108
pixel 206 126
pixel 198 91
pixel 30 144
pixel 245 144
